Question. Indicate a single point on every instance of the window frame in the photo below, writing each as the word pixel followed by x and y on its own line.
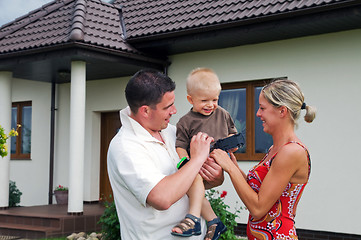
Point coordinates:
pixel 250 154
pixel 18 155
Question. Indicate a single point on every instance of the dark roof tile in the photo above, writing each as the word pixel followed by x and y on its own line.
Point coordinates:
pixel 98 23
pixel 150 17
pixel 62 21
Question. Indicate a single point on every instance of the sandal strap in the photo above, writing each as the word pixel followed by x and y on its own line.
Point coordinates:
pixel 214 221
pixel 194 218
pixel 210 232
pixel 185 225
pixel 215 229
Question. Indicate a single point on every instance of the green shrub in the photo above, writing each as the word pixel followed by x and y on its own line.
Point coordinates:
pixel 111 226
pixel 220 209
pixel 14 194
pixel 110 222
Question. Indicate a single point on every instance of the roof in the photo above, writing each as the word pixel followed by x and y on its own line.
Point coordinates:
pixel 121 37
pixel 88 21
pixel 144 18
pixel 47 39
pixel 98 23
pixel 176 26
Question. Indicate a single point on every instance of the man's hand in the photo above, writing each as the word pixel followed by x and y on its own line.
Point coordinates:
pixel 211 173
pixel 173 187
pixel 199 147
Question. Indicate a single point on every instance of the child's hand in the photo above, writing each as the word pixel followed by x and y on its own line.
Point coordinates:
pixel 212 173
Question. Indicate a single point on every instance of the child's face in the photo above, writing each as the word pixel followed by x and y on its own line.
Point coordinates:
pixel 204 102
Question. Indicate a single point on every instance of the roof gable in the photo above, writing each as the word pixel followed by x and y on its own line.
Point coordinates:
pixel 90 22
pixel 42 44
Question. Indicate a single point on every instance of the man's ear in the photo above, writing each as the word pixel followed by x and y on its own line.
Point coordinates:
pixel 144 110
pixel 190 100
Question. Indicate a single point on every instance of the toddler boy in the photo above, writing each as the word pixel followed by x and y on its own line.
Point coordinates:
pixel 203 89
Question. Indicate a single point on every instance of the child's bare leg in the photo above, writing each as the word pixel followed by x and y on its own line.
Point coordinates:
pixel 207 211
pixel 195 195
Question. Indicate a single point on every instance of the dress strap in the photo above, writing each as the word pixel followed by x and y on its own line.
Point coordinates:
pixel 308 155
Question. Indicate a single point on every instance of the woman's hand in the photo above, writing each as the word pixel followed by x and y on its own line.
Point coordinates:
pixel 222 158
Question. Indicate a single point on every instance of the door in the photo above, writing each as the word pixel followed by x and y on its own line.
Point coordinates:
pixel 110 124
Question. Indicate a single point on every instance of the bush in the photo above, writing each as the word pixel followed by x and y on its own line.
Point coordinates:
pixel 14 194
pixel 111 226
pixel 110 222
pixel 220 209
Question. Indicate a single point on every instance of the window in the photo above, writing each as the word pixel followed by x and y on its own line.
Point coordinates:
pixel 240 99
pixel 21 145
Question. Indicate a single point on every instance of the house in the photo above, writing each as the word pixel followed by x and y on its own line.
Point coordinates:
pixel 67 64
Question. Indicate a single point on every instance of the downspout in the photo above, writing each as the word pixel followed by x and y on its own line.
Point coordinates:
pixel 166 66
pixel 52 136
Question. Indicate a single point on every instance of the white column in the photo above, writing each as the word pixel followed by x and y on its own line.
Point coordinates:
pixel 76 141
pixel 5 122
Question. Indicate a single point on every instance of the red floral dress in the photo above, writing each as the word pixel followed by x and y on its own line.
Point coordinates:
pixel 278 223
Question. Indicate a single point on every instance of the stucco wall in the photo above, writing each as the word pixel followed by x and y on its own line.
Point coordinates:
pixel 328 68
pixel 101 96
pixel 31 176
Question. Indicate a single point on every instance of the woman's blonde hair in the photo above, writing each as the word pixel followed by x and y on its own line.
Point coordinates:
pixel 288 93
pixel 204 79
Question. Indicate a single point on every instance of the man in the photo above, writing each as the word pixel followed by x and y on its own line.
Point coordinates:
pixel 149 192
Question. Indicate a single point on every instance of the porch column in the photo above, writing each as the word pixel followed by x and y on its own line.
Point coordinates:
pixel 76 141
pixel 5 122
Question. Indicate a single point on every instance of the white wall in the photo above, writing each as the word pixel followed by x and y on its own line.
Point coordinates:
pixel 101 96
pixel 111 98
pixel 32 176
pixel 328 68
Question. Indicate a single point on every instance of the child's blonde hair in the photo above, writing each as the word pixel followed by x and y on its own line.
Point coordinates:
pixel 204 79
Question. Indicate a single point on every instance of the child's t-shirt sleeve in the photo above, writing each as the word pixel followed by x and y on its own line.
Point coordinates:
pixel 230 123
pixel 182 140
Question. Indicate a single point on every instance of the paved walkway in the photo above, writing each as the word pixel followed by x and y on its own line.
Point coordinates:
pixel 8 237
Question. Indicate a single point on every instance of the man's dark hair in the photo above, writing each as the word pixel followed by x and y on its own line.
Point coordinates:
pixel 147 87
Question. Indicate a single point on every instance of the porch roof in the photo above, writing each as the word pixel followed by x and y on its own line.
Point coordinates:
pixel 41 44
pixel 91 22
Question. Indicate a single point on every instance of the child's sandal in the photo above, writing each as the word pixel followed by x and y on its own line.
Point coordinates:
pixel 215 229
pixel 189 226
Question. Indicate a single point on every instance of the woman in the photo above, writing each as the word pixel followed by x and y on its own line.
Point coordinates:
pixel 272 189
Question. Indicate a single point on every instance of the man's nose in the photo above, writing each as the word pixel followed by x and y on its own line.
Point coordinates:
pixel 174 110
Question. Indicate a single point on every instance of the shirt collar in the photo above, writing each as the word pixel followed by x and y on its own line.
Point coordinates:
pixel 138 129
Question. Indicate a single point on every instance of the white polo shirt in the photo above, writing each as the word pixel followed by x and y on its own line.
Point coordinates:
pixel 137 162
